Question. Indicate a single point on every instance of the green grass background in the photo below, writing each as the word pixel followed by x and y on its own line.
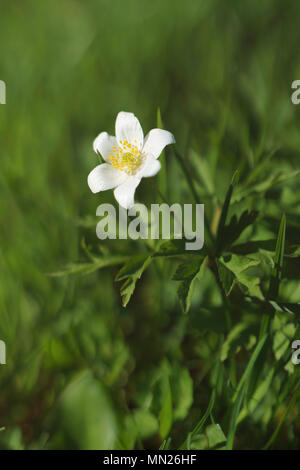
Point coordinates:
pixel 82 371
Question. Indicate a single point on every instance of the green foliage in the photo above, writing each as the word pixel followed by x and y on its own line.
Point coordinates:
pixel 276 274
pixel 99 352
pixel 165 415
pixel 213 438
pixel 234 229
pixel 132 271
pixel 222 229
pixel 232 269
pixel 187 273
pixel 85 415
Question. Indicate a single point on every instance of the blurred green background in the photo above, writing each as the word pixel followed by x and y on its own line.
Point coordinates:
pixel 82 371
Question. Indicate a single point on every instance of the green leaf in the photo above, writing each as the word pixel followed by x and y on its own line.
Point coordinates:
pixel 131 272
pixel 250 365
pixel 290 406
pixel 86 415
pixel 88 268
pixel 12 439
pixel 241 391
pixel 166 444
pixel 292 251
pixel 227 277
pixel 284 332
pixel 236 226
pixel 238 336
pixel 188 273
pixel 182 392
pixel 165 415
pixel 234 416
pixel 276 274
pixel 288 307
pixel 282 339
pixel 145 422
pixel 257 396
pixel 213 438
pixel 259 168
pixel 218 379
pixel 232 270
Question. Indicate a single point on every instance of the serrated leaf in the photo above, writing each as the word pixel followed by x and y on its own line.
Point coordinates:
pixel 88 268
pixel 232 269
pixel 236 226
pixel 227 277
pixel 187 273
pixel 131 272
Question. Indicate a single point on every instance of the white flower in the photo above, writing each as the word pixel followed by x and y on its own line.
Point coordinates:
pixel 128 156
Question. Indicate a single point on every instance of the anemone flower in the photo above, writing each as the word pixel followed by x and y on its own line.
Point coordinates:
pixel 128 157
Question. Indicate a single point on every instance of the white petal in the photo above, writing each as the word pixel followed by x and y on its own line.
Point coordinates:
pixel 124 193
pixel 103 144
pixel 156 140
pixel 150 168
pixel 104 177
pixel 128 128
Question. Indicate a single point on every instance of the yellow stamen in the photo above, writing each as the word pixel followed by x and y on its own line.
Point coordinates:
pixel 126 159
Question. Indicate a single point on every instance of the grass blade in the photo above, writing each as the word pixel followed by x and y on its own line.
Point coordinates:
pixel 224 212
pixel 278 260
pixel 241 391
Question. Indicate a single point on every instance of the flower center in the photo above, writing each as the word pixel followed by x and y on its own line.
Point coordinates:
pixel 126 157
